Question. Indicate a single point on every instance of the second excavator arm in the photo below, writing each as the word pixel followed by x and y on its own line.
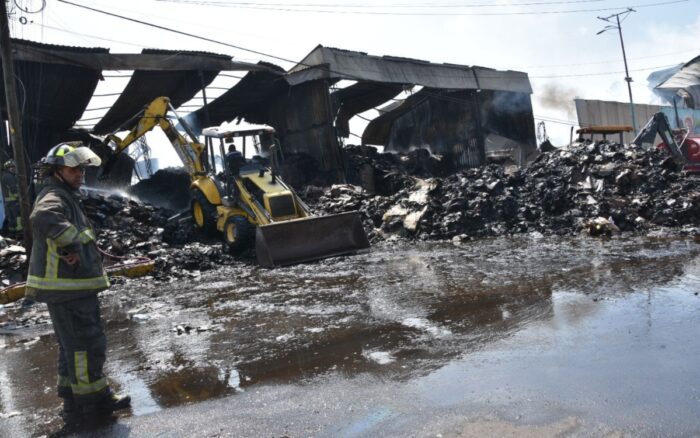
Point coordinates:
pixel 658 124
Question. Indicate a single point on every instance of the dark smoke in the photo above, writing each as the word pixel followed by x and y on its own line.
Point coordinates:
pixel 559 97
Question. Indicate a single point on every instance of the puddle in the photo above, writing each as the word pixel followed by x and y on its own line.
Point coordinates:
pixel 457 319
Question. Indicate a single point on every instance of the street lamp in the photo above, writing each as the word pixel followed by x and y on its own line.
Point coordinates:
pixel 618 26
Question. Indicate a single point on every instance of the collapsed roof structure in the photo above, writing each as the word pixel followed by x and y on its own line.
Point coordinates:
pixel 458 111
pixel 57 83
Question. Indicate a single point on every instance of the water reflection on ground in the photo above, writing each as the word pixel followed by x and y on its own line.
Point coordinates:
pixel 403 312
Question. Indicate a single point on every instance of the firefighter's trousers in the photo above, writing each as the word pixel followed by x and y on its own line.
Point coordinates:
pixel 81 349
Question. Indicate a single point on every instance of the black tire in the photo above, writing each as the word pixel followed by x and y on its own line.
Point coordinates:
pixel 203 212
pixel 238 234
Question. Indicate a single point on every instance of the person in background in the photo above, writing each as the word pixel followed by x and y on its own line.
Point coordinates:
pixel 10 188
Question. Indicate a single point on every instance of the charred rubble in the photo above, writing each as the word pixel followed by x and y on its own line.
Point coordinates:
pixel 130 230
pixel 598 189
pixel 127 230
pixel 601 188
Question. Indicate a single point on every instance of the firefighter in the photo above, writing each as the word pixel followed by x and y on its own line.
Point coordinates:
pixel 66 273
pixel 13 217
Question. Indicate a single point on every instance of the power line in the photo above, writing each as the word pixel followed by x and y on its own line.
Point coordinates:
pixel 434 14
pixel 555 120
pixel 177 31
pixel 580 75
pixel 289 60
pixel 427 94
pixel 375 6
pixel 65 30
pixel 660 55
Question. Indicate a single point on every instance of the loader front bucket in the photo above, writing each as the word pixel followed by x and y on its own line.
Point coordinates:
pixel 303 240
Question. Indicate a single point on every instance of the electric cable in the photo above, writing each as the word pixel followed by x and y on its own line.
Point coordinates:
pixel 441 14
pixel 281 58
pixel 375 6
pixel 289 60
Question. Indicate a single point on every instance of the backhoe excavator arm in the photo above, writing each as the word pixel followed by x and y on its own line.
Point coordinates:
pixel 189 152
pixel 659 124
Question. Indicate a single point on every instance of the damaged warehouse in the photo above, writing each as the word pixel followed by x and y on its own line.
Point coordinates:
pixel 463 113
pixel 460 112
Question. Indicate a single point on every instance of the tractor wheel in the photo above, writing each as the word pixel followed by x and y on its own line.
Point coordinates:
pixel 238 234
pixel 203 213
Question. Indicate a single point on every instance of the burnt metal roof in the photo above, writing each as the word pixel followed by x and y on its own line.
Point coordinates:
pixel 145 85
pixel 247 99
pixel 149 59
pixel 56 85
pixel 52 96
pixel 326 62
pixel 359 98
pixel 379 129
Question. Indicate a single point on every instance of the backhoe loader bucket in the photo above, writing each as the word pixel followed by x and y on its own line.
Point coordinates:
pixel 303 240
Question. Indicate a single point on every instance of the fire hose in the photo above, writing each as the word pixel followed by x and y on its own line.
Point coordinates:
pixel 139 267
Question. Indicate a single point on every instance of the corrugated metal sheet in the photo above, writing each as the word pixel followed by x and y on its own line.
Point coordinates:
pixel 498 80
pixel 345 64
pixel 146 85
pixel 445 123
pixel 359 98
pixel 686 79
pixel 378 131
pixel 53 96
pixel 156 60
pixel 454 124
pixel 249 98
pixel 600 112
pixel 304 122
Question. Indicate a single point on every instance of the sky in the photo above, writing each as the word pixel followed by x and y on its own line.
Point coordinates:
pixel 559 49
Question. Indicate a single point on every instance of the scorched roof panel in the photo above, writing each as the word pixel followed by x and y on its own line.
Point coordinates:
pixel 146 85
pixel 324 62
pixel 53 96
pixel 248 98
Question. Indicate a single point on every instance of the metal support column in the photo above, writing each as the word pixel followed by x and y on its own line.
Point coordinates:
pixel 15 124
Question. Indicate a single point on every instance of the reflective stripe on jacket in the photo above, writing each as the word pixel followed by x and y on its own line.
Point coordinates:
pixel 61 227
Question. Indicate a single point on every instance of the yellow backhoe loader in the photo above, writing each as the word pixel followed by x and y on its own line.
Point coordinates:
pixel 248 204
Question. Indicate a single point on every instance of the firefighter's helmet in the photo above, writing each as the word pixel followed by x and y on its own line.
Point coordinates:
pixel 71 155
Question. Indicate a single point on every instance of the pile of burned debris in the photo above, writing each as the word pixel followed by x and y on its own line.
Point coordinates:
pixel 126 228
pixel 168 188
pixel 13 258
pixel 601 188
pixel 129 230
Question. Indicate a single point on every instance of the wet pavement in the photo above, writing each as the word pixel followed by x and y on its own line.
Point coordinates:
pixel 527 336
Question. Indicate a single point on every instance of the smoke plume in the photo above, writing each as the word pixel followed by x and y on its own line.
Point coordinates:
pixel 559 97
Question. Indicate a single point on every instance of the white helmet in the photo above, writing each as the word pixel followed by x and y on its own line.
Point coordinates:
pixel 66 154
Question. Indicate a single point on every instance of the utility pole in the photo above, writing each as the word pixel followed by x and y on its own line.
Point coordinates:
pixel 15 123
pixel 628 79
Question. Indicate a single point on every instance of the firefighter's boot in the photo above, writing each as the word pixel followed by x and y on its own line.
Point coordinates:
pixel 111 403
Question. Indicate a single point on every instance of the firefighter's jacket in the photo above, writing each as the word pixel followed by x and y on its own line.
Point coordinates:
pixel 61 227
